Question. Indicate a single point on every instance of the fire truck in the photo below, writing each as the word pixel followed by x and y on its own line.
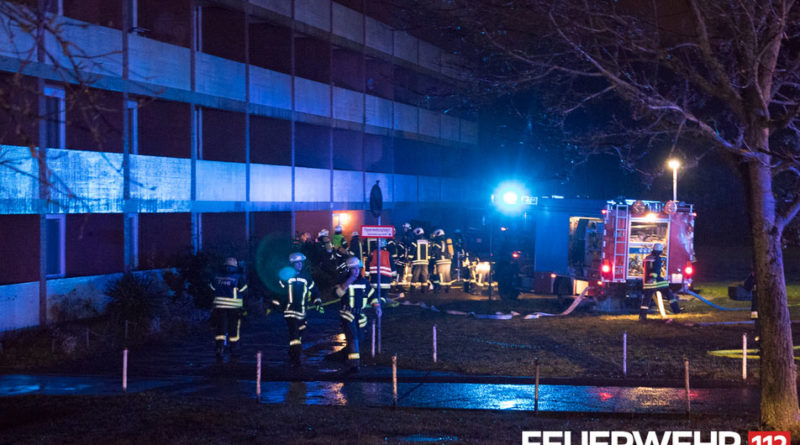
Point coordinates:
pixel 602 245
pixel 630 229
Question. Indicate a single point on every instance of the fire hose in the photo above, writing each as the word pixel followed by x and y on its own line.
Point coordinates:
pixel 715 306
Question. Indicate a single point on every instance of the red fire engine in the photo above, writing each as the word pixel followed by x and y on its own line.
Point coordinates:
pixel 631 228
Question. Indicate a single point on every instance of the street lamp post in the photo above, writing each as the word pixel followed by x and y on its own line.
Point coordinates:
pixel 674 164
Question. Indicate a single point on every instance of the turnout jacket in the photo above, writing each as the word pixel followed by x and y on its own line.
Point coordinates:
pixel 298 289
pixel 228 289
pixel 652 272
pixel 358 296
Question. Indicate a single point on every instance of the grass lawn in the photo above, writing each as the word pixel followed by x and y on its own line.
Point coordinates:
pixel 584 344
pixel 157 418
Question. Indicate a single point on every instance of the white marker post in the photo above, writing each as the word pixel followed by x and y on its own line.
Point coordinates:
pixel 744 357
pixel 394 381
pixel 625 354
pixel 373 338
pixel 258 376
pixel 686 378
pixel 125 370
pixel 434 343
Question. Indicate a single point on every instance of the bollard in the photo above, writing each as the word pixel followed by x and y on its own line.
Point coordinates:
pixel 125 370
pixel 373 338
pixel 625 354
pixel 434 343
pixel 536 385
pixel 744 357
pixel 394 381
pixel 686 378
pixel 258 376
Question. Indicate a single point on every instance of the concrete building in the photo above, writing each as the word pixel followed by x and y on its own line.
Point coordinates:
pixel 221 121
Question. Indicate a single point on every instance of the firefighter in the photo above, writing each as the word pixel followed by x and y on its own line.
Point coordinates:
pixel 460 261
pixel 338 239
pixel 386 268
pixel 228 287
pixel 356 247
pixel 419 257
pixel 298 287
pixel 654 282
pixel 356 295
pixel 442 255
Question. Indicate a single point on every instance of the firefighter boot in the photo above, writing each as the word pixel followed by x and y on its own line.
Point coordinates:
pixel 673 305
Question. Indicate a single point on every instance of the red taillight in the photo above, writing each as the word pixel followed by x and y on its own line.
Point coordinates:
pixel 515 255
pixel 552 275
pixel 689 270
pixel 605 268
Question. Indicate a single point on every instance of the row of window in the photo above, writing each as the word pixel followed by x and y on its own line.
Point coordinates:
pixel 269 46
pixel 163 128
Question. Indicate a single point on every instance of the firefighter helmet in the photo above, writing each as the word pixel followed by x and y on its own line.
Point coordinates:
pixel 406 226
pixel 353 262
pixel 438 232
pixel 658 247
pixel 231 262
pixel 323 232
pixel 296 257
pixel 355 234
pixel 338 229
pixel 418 231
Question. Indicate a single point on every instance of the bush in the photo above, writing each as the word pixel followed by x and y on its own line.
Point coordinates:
pixel 194 272
pixel 134 298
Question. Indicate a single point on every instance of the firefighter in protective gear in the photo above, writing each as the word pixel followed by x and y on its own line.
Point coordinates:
pixel 654 282
pixel 355 295
pixel 356 247
pixel 419 257
pixel 338 239
pixel 442 255
pixel 385 268
pixel 298 287
pixel 228 287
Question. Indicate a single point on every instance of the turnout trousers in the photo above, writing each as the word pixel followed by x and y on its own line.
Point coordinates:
pixel 352 336
pixel 229 324
pixel 295 326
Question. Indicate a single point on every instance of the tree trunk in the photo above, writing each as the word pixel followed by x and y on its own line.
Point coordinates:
pixel 779 409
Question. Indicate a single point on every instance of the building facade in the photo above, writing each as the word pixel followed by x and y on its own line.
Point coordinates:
pixel 207 125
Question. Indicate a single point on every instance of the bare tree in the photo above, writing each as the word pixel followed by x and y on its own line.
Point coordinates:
pixel 688 75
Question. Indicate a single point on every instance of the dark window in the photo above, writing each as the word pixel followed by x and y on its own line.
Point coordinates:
pixel 379 78
pixel 270 47
pixel 265 223
pixel 347 150
pixel 162 237
pixel 313 59
pixel 99 12
pixel 312 146
pixel 94 120
pixel 53 122
pixel 378 153
pixel 223 135
pixel 94 244
pixel 164 129
pixel 348 69
pixel 270 141
pixel 19 247
pixel 168 21
pixel 54 240
pixel 223 33
pixel 406 88
pixel 224 233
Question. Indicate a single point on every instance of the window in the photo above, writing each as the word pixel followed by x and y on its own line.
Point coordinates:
pixel 645 232
pixel 132 115
pixel 133 241
pixel 55 114
pixel 55 239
